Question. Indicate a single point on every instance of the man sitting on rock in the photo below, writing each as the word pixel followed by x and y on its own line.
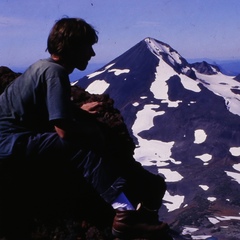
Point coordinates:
pixel 45 140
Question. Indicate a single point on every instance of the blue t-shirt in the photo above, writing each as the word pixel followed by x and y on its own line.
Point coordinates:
pixel 32 101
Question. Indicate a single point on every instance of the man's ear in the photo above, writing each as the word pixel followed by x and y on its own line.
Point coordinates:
pixel 55 57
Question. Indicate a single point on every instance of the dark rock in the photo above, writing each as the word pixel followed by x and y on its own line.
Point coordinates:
pixel 6 76
pixel 205 68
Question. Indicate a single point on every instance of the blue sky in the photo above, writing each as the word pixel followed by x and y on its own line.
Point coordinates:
pixel 195 28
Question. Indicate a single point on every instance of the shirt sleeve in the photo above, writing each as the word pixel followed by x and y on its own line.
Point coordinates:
pixel 58 98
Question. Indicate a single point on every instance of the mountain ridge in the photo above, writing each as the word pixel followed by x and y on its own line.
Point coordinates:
pixel 184 119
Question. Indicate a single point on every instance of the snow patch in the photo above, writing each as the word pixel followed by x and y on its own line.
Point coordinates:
pixel 235 151
pixel 234 175
pixel 98 87
pixel 145 118
pixel 170 176
pixel 189 230
pixel 237 166
pixel 227 218
pixel 200 136
pixel 222 85
pixel 159 87
pixel 150 150
pixel 211 199
pixel 213 220
pixel 204 187
pixel 135 104
pixel 205 157
pixel 117 72
pixel 153 150
pixel 218 219
pixel 173 202
pixel 99 72
pixel 156 48
pixel 189 84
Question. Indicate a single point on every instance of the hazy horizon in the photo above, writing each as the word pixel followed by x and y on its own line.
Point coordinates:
pixel 232 67
pixel 195 28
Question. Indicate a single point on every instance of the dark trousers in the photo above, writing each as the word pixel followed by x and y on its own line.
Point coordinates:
pixel 47 171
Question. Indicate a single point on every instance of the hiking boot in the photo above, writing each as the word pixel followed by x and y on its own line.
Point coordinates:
pixel 141 223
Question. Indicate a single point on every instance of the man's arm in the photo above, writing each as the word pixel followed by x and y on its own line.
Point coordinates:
pixel 85 129
pixel 66 129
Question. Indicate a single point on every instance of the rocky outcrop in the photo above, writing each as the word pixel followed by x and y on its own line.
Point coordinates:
pixel 6 76
pixel 205 68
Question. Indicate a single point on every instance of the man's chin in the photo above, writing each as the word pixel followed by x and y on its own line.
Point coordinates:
pixel 82 66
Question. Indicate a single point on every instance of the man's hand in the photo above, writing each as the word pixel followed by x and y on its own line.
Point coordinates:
pixel 92 107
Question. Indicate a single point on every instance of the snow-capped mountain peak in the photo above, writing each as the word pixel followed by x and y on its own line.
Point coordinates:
pixel 185 121
pixel 168 54
pixel 159 48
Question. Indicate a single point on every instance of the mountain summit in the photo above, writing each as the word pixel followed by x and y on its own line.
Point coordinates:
pixel 185 121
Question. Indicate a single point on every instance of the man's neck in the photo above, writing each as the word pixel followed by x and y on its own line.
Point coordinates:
pixel 60 61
